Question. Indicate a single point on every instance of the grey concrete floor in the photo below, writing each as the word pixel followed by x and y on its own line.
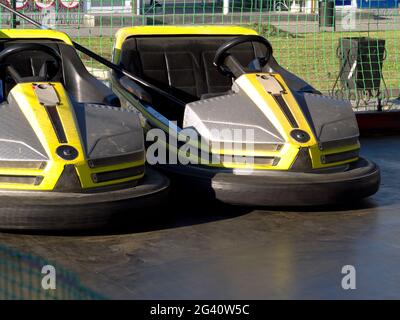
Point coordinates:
pixel 201 251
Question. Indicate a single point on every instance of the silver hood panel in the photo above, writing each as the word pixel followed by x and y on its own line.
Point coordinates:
pixel 104 131
pixel 109 131
pixel 333 119
pixel 233 111
pixel 18 141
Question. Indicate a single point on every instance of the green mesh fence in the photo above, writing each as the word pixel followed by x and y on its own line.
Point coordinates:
pixel 21 278
pixel 345 48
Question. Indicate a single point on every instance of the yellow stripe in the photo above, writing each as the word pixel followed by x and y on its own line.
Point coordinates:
pixel 250 84
pixel 34 34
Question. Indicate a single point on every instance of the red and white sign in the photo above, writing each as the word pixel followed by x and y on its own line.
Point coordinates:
pixel 70 4
pixel 21 4
pixel 44 4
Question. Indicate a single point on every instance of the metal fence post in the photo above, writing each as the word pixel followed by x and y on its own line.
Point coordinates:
pixel 137 7
pixel 13 16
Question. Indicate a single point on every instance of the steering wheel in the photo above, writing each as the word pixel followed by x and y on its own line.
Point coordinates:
pixel 20 47
pixel 228 65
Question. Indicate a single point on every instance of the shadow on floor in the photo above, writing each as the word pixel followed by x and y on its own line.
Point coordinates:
pixel 178 214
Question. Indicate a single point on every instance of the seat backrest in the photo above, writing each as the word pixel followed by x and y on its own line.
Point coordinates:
pixel 181 64
pixel 79 83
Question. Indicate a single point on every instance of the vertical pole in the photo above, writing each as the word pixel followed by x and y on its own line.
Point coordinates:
pixel 225 7
pixel 13 15
pixel 138 7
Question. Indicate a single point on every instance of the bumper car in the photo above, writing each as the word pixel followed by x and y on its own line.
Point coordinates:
pixel 303 148
pixel 70 157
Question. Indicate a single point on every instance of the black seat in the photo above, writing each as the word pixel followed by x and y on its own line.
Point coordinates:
pixel 181 65
pixel 79 83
